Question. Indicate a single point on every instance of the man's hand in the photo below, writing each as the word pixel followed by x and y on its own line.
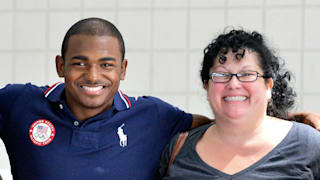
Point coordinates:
pixel 310 118
pixel 199 120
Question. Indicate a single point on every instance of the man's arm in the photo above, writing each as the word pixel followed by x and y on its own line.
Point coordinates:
pixel 199 120
pixel 310 118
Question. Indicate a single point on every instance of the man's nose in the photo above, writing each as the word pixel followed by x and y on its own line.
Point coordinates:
pixel 93 73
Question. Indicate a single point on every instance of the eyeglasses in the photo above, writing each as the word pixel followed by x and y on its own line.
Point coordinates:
pixel 246 76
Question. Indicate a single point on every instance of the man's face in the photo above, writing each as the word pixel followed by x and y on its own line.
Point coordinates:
pixel 92 70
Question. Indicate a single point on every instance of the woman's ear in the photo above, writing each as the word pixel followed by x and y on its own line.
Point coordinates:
pixel 269 85
pixel 205 85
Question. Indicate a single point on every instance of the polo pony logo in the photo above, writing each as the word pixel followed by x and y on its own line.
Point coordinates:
pixel 122 136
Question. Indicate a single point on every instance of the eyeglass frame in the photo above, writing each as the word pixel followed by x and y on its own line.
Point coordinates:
pixel 238 75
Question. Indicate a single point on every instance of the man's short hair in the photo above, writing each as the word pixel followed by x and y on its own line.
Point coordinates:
pixel 94 27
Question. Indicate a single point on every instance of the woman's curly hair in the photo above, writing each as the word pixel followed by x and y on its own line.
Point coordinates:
pixel 238 41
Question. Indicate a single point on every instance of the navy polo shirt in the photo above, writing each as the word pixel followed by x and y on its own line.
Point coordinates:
pixel 45 141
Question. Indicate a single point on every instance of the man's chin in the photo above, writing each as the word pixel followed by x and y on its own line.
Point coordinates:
pixel 96 103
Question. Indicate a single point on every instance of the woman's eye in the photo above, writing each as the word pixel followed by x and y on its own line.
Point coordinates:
pixel 223 74
pixel 248 74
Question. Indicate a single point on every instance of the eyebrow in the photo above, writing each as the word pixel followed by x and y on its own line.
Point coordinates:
pixel 80 57
pixel 107 59
pixel 85 58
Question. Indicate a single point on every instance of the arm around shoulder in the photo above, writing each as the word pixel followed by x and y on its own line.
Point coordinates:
pixel 310 118
pixel 198 120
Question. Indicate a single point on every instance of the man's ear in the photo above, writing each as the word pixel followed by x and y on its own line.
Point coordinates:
pixel 124 65
pixel 60 66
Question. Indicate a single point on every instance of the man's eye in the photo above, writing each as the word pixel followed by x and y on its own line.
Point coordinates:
pixel 79 64
pixel 106 65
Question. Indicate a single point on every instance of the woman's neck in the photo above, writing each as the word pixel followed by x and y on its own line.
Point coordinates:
pixel 240 131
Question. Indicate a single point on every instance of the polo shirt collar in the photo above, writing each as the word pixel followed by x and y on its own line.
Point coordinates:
pixel 55 94
pixel 121 101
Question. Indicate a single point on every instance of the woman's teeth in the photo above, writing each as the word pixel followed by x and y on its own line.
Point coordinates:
pixel 235 98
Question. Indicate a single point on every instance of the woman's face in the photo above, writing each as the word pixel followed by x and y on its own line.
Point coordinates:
pixel 235 99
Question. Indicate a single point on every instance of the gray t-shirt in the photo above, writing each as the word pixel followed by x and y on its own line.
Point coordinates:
pixel 296 157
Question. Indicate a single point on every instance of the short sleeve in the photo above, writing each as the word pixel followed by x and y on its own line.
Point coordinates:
pixel 314 144
pixel 172 119
pixel 8 95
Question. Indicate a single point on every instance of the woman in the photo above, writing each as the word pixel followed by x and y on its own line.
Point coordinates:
pixel 250 95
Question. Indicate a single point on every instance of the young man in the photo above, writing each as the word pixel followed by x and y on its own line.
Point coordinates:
pixel 86 128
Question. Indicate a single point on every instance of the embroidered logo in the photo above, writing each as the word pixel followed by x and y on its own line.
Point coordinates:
pixel 122 136
pixel 41 132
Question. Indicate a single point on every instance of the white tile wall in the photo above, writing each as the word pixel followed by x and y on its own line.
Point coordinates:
pixel 207 3
pixel 59 23
pixel 51 68
pixel 311 25
pixel 135 4
pixel 311 103
pixel 311 78
pixel 245 3
pixel 6 35
pixel 30 29
pixel 99 4
pixel 164 39
pixel 170 3
pixel 137 34
pixel 312 2
pixel 138 73
pixel 170 29
pixel 204 25
pixel 283 26
pixel 6 174
pixel 169 72
pixel 6 69
pixel 31 4
pixel 247 18
pixel 198 104
pixel 6 4
pixel 30 67
pixel 195 83
pixel 174 99
pixel 62 4
pixel 284 2
pixel 5 163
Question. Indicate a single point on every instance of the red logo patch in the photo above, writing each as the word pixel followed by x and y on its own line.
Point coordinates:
pixel 42 132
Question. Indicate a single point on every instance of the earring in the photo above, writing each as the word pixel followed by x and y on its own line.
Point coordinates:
pixel 269 94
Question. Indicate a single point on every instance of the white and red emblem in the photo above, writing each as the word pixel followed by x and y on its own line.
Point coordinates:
pixel 41 132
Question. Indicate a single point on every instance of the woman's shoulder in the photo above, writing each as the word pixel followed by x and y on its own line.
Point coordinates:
pixel 193 134
pixel 199 130
pixel 305 131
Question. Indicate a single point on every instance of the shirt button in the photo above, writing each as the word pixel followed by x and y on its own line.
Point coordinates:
pixel 60 106
pixel 76 123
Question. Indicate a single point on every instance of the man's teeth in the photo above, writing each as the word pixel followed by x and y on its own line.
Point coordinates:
pixel 87 88
pixel 235 98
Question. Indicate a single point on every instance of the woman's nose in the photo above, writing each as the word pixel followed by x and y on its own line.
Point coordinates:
pixel 234 82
